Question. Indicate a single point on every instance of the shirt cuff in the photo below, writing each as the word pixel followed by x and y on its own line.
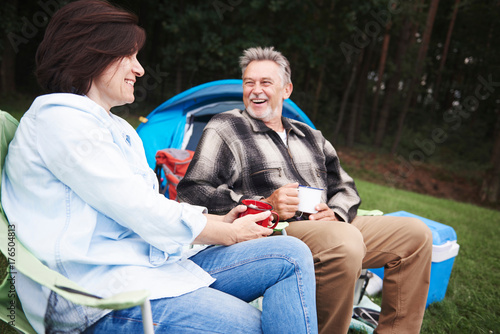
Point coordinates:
pixel 199 208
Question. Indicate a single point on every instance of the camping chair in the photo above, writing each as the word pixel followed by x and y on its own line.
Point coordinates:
pixel 20 260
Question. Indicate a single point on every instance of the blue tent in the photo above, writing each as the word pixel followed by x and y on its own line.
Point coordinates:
pixel 179 122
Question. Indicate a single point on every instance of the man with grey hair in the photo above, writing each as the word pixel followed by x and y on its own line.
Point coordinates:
pixel 258 154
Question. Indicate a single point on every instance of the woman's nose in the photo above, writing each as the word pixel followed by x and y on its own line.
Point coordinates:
pixel 138 69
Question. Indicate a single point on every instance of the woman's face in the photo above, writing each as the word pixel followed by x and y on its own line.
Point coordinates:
pixel 115 86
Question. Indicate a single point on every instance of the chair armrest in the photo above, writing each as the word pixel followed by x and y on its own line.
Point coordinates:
pixel 362 212
pixel 27 264
pixel 118 301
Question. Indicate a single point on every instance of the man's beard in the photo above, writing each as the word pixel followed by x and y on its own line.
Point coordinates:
pixel 268 115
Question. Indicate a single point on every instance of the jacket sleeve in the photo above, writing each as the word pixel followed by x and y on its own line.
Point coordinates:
pixel 212 176
pixel 342 196
pixel 83 154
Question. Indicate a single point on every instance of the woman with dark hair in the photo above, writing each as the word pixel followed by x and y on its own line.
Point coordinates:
pixel 84 38
pixel 85 202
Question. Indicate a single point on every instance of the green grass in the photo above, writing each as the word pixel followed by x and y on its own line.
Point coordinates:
pixel 472 301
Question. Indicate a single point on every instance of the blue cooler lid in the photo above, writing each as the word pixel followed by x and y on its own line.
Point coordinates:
pixel 441 233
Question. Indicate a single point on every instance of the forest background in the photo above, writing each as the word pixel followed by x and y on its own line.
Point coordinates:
pixel 407 91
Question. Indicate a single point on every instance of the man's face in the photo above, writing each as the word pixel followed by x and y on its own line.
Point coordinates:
pixel 263 90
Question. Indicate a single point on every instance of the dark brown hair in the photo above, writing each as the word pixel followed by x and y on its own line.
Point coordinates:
pixel 82 39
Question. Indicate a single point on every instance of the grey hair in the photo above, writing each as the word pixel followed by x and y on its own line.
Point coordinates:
pixel 268 53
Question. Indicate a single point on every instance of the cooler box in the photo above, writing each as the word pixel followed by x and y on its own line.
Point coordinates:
pixel 444 251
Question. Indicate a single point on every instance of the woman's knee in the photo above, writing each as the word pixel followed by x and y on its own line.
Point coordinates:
pixel 293 248
pixel 289 257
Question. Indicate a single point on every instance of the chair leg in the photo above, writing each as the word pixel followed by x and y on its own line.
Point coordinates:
pixel 360 288
pixel 147 317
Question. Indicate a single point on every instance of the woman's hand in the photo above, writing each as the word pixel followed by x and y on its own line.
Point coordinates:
pixel 228 230
pixel 233 214
pixel 246 228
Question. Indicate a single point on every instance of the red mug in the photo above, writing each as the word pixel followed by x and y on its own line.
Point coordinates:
pixel 254 207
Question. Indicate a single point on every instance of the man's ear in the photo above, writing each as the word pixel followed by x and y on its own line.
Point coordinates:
pixel 288 90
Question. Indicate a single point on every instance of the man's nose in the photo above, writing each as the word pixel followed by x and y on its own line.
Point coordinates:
pixel 257 89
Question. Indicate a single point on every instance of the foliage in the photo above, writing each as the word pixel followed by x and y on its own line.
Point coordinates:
pixel 193 42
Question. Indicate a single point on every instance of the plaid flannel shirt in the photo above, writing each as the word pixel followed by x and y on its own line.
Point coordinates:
pixel 239 157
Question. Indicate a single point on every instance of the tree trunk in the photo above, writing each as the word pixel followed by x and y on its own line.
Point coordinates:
pixel 178 78
pixel 322 69
pixel 359 98
pixel 8 69
pixel 8 61
pixel 404 42
pixel 490 189
pixel 317 95
pixel 345 97
pixel 446 49
pixel 362 98
pixel 418 71
pixel 407 38
pixel 380 74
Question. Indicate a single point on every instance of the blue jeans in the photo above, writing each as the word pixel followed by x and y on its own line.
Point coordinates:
pixel 279 268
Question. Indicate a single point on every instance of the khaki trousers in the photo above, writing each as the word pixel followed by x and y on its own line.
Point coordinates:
pixel 340 250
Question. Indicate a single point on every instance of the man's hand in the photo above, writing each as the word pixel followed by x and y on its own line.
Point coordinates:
pixel 285 200
pixel 324 213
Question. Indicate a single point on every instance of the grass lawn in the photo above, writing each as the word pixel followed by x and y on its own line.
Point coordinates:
pixel 472 301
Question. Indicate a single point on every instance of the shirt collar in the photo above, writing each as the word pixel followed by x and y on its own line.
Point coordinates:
pixel 259 126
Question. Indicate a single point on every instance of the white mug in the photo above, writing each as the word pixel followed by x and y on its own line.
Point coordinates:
pixel 309 197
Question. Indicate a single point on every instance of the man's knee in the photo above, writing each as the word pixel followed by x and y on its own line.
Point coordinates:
pixel 419 234
pixel 345 252
pixel 420 230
